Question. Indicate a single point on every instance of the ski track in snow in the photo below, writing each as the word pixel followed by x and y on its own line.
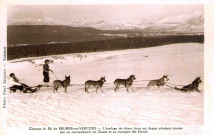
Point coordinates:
pixel 165 106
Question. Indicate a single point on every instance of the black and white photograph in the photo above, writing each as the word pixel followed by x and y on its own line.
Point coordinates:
pixel 105 65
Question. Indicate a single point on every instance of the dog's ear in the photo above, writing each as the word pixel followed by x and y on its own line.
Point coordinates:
pixel 65 76
pixel 69 76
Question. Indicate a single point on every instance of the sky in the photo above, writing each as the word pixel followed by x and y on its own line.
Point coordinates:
pixel 97 16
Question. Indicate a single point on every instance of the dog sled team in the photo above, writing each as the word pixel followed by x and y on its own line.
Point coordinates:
pixel 14 83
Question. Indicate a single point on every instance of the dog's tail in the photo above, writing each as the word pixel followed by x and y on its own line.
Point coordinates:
pixel 85 88
pixel 181 89
pixel 115 81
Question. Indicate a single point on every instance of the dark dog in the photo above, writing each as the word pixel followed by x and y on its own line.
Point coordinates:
pixel 96 84
pixel 191 87
pixel 64 83
pixel 158 82
pixel 125 82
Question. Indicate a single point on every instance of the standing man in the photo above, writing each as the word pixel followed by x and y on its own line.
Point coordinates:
pixel 46 73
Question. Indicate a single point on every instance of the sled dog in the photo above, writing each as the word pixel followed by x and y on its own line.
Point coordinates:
pixel 64 83
pixel 125 82
pixel 193 86
pixel 97 84
pixel 158 82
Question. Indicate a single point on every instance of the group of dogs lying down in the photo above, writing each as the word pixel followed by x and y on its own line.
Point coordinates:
pixel 127 83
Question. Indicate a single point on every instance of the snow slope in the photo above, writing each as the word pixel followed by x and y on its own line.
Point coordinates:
pixel 182 62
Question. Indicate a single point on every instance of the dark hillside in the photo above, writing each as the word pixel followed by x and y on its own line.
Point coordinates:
pixel 100 45
pixel 41 34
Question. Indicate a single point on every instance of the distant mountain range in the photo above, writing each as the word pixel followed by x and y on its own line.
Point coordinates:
pixel 185 22
pixel 189 22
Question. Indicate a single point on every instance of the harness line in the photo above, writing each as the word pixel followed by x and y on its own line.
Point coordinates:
pixel 55 75
pixel 174 84
pixel 170 86
pixel 51 78
pixel 141 80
